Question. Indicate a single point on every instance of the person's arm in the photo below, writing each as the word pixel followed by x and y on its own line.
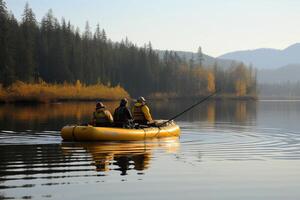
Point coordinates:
pixel 109 116
pixel 129 115
pixel 147 114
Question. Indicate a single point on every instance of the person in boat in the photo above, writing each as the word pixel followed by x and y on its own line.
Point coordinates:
pixel 141 112
pixel 122 115
pixel 102 116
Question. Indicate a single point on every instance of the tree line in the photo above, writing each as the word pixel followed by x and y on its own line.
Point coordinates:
pixel 56 52
pixel 286 90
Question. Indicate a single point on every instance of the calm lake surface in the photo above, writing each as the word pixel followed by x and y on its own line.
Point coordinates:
pixel 227 150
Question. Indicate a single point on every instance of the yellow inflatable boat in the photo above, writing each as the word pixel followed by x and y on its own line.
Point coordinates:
pixel 91 133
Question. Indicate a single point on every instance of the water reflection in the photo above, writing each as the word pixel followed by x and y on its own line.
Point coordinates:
pixel 54 116
pixel 46 116
pixel 211 111
pixel 221 142
pixel 122 156
pixel 241 111
pixel 26 161
pixel 31 166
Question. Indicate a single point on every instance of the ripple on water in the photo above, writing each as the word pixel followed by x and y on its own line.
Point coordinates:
pixel 43 165
pixel 32 160
pixel 226 141
pixel 29 137
pixel 49 165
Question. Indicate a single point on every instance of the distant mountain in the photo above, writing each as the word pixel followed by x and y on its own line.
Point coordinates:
pixel 283 74
pixel 274 66
pixel 207 60
pixel 267 58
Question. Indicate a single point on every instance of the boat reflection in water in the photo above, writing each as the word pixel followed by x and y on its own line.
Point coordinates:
pixel 122 156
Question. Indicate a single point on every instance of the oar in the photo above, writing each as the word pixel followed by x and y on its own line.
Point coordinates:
pixel 189 108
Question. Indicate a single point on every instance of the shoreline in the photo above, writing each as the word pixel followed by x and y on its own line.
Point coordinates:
pixel 218 97
pixel 266 98
pixel 78 100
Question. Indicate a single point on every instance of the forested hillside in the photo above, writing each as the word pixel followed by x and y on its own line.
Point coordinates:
pixel 201 58
pixel 56 52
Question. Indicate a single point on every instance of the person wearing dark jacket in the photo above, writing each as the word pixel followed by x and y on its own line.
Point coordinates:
pixel 122 115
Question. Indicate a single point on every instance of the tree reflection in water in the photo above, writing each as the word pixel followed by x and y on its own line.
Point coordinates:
pixel 55 116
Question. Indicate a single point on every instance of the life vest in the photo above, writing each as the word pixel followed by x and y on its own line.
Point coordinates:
pixel 138 114
pixel 100 116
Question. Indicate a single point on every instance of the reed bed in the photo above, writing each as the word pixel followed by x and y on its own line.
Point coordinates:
pixel 44 92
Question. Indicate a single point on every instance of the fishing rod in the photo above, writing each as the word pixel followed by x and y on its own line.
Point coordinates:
pixel 189 108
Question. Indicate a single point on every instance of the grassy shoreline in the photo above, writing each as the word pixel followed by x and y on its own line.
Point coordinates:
pixel 42 92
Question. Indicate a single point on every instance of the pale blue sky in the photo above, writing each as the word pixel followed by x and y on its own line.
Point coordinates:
pixel 218 26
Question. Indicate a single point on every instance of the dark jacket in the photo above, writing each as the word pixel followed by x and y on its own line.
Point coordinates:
pixel 122 115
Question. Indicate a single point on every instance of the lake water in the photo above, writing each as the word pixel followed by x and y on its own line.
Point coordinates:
pixel 227 150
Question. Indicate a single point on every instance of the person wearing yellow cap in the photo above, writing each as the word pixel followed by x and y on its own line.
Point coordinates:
pixel 141 112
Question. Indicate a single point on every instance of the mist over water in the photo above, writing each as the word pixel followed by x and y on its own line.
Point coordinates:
pixel 227 150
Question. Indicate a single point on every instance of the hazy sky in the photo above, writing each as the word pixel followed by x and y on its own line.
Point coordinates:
pixel 218 26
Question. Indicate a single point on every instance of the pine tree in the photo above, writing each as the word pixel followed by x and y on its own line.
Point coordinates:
pixel 12 49
pixel 27 66
pixel 200 56
pixel 56 52
pixel 4 56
